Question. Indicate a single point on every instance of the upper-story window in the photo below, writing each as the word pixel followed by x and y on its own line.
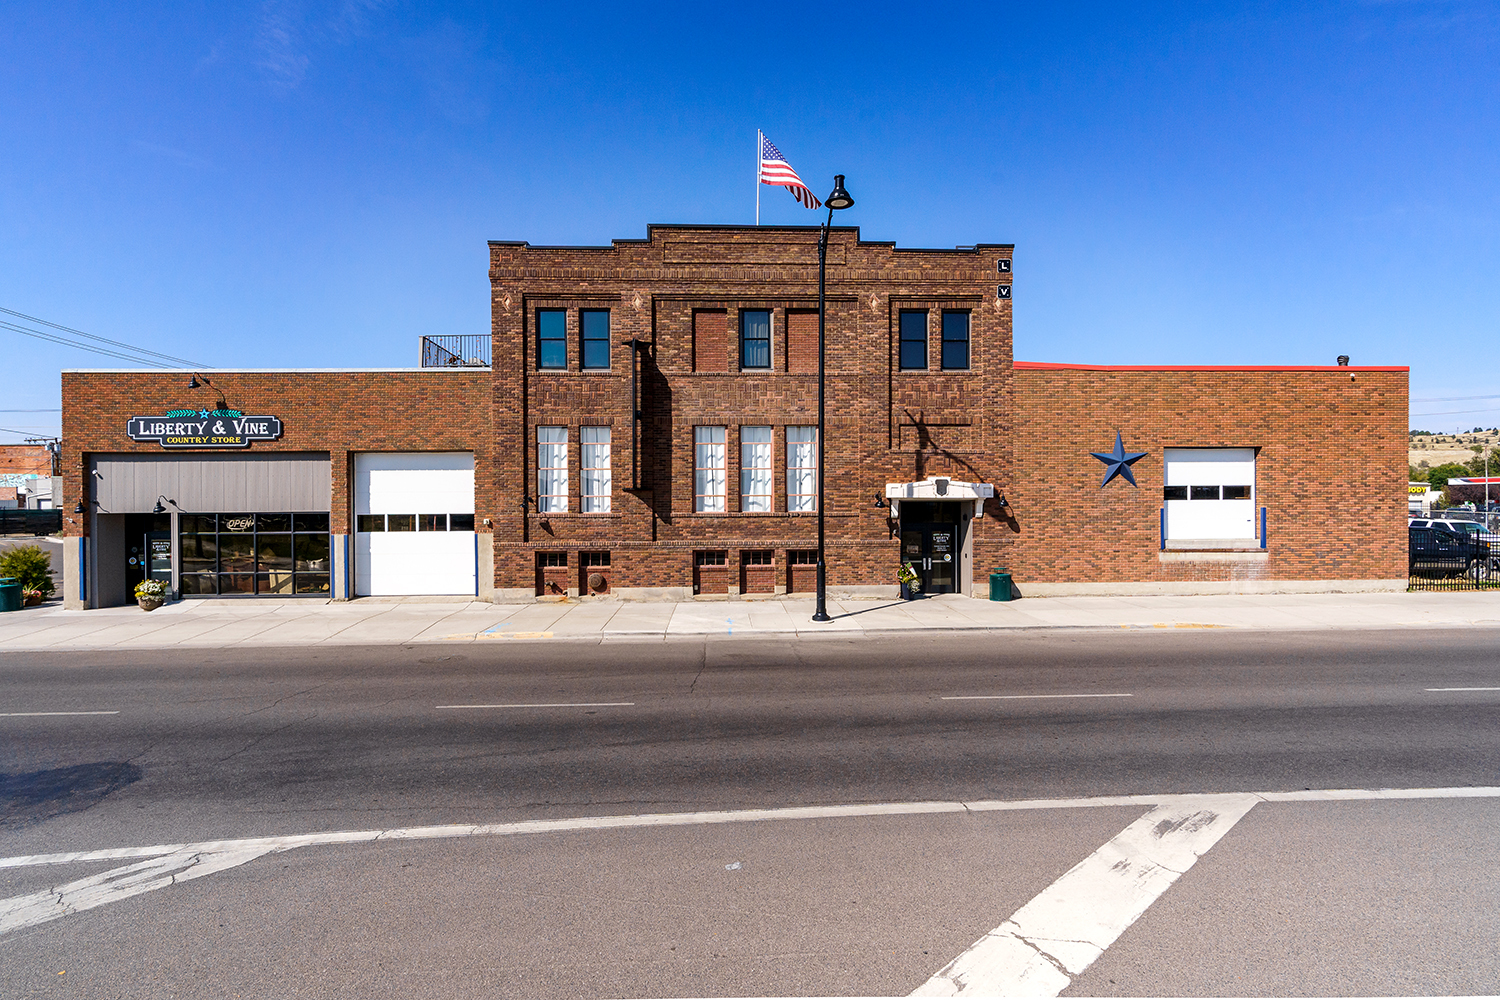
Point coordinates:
pixel 551 338
pixel 755 469
pixel 955 339
pixel 594 332
pixel 755 338
pixel 913 339
pixel 801 468
pixel 598 483
pixel 709 479
pixel 551 470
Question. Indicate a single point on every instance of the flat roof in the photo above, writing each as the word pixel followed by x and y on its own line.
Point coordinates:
pixel 1041 365
pixel 266 371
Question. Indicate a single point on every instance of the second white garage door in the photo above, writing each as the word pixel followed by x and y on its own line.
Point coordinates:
pixel 1210 493
pixel 414 523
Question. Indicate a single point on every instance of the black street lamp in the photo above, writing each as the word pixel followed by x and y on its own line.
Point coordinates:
pixel 839 199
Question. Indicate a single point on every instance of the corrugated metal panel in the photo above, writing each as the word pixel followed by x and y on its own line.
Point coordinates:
pixel 130 484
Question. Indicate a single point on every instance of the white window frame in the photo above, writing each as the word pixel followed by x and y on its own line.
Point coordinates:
pixel 802 469
pixel 551 469
pixel 598 480
pixel 757 482
pixel 710 470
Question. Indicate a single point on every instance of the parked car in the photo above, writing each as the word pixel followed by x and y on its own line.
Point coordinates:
pixel 1439 551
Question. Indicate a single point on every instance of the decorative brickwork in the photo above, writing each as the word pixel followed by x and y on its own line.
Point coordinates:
pixel 680 293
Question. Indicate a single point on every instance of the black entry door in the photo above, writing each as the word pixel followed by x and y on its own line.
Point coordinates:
pixel 932 550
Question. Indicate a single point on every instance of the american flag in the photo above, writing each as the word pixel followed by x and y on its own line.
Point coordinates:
pixel 775 170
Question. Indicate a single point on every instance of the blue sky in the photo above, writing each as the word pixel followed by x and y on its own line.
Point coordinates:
pixel 291 183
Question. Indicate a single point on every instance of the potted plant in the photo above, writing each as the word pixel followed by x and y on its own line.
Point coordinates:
pixel 30 598
pixel 907 577
pixel 150 594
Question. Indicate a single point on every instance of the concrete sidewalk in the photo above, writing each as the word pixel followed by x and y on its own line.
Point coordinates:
pixel 222 624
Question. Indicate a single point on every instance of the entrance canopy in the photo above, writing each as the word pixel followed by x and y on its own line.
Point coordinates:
pixel 939 488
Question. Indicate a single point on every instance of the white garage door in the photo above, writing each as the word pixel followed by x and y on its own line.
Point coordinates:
pixel 1210 493
pixel 414 523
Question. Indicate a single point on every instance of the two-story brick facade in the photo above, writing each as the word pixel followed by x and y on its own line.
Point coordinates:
pixel 648 428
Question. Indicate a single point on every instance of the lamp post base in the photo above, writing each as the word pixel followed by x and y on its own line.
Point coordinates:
pixel 821 613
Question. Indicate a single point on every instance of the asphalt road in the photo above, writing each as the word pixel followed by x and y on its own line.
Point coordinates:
pixel 1330 898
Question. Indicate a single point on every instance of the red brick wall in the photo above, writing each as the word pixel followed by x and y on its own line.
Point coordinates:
pixel 441 409
pixel 802 341
pixel 710 340
pixel 658 290
pixel 1331 469
pixel 25 460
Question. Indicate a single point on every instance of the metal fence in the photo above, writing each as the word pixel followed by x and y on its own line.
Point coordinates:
pixel 463 350
pixel 30 522
pixel 1452 558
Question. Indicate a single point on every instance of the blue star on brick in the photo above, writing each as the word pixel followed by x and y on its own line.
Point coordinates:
pixel 1119 461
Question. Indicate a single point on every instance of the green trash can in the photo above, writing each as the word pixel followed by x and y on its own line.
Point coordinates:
pixel 10 594
pixel 1000 585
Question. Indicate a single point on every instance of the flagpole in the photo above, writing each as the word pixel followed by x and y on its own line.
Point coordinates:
pixel 757 176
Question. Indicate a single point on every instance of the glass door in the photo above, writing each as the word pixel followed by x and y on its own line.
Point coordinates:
pixel 932 551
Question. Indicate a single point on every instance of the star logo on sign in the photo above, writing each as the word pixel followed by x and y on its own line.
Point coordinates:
pixel 203 414
pixel 1119 461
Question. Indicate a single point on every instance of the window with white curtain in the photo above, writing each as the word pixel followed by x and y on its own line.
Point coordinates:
pixel 755 469
pixel 597 482
pixel 709 479
pixel 551 470
pixel 801 468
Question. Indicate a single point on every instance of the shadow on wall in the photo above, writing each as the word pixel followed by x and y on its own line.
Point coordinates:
pixel 35 796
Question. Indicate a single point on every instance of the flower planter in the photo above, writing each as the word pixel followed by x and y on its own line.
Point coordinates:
pixel 150 603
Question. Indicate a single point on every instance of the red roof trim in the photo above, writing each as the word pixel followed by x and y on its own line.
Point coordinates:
pixel 1049 365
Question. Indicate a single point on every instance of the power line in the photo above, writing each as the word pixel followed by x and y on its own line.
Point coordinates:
pixel 1453 399
pixel 1444 413
pixel 55 409
pixel 37 334
pixel 143 352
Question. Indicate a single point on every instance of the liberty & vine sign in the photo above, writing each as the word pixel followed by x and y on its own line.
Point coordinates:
pixel 204 429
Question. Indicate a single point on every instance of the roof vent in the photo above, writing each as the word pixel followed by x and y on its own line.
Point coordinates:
pixel 1343 361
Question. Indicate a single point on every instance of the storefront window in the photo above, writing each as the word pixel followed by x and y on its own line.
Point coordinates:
pixel 254 553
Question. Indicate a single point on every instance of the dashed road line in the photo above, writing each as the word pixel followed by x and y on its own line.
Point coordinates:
pixel 20 715
pixel 1462 689
pixel 1023 697
pixel 558 704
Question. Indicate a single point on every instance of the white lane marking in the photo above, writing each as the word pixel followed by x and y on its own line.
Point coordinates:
pixel 1070 923
pixel 1019 697
pixel 630 820
pixel 560 704
pixel 211 856
pixel 117 884
pixel 17 715
pixel 1462 689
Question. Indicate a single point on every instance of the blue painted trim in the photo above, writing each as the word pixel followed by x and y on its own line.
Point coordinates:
pixel 83 569
pixel 347 573
pixel 476 564
pixel 1262 527
pixel 1164 529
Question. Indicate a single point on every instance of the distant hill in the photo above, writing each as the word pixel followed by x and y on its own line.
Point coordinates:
pixel 1438 449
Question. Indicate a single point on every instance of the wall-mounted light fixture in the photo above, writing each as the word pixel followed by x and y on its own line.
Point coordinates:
pixel 161 500
pixel 880 501
pixel 1003 502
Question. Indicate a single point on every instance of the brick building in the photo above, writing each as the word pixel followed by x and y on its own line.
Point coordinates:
pixel 647 428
